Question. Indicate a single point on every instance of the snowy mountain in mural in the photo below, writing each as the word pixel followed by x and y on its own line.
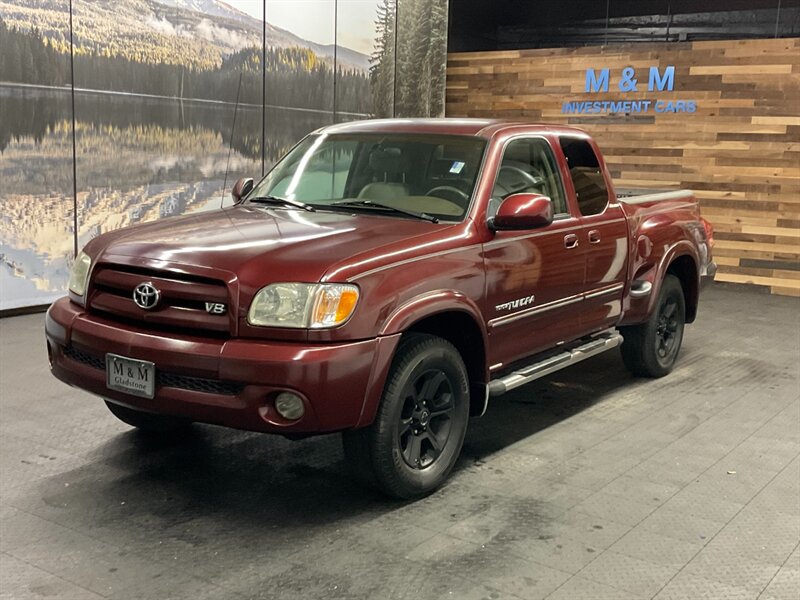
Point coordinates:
pixel 195 33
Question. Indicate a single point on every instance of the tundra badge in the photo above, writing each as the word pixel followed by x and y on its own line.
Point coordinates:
pixel 518 303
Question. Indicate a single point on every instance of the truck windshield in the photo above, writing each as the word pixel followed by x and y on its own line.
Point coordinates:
pixel 395 175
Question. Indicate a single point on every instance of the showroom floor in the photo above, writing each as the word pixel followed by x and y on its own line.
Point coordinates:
pixel 589 484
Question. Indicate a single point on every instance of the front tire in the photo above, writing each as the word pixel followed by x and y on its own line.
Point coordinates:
pixel 148 422
pixel 417 435
pixel 651 349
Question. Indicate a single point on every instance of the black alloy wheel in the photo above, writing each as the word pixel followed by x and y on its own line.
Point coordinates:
pixel 425 420
pixel 415 439
pixel 651 348
pixel 667 330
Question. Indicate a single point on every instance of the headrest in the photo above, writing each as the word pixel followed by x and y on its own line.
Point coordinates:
pixel 386 160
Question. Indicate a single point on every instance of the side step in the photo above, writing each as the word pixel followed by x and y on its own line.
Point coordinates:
pixel 600 343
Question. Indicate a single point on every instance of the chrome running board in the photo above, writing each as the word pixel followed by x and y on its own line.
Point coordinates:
pixel 599 343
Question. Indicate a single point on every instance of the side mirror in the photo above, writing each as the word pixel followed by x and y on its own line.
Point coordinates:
pixel 241 188
pixel 522 211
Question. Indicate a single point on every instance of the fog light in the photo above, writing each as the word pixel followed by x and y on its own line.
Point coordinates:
pixel 289 406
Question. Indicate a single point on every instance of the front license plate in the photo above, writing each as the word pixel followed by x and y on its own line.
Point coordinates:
pixel 137 377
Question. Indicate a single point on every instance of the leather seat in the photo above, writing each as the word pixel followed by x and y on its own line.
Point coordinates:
pixel 386 163
pixel 383 190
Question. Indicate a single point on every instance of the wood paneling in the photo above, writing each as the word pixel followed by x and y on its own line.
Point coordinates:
pixel 740 151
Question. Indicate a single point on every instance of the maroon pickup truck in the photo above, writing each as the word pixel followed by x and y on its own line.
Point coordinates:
pixel 385 279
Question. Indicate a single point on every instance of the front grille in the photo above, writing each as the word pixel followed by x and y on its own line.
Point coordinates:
pixel 181 308
pixel 164 378
pixel 82 357
pixel 198 384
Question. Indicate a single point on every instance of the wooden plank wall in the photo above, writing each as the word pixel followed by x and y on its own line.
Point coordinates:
pixel 740 152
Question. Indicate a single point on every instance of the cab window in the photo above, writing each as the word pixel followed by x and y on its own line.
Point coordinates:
pixel 528 166
pixel 587 178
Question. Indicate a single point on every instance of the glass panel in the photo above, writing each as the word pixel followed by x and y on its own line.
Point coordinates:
pixel 36 196
pixel 421 58
pixel 365 59
pixel 299 71
pixel 433 174
pixel 691 20
pixel 323 177
pixel 636 21
pixel 528 166
pixel 587 178
pixel 788 21
pixel 508 24
pixel 155 113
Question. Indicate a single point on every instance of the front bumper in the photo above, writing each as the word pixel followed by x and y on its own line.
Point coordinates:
pixel 230 382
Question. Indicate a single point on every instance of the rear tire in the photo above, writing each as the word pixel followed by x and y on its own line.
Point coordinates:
pixel 149 422
pixel 415 440
pixel 651 349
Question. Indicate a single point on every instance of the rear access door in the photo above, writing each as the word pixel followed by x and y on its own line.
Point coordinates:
pixel 603 234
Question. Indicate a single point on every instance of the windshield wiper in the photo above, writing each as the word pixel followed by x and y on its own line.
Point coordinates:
pixel 378 206
pixel 284 201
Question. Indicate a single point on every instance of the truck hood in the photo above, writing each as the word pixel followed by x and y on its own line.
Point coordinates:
pixel 260 245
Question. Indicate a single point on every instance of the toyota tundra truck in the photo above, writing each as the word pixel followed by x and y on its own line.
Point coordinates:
pixel 386 279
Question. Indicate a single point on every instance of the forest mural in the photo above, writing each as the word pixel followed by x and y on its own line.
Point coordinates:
pixel 174 100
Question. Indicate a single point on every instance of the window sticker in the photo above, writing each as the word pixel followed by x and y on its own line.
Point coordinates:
pixel 457 167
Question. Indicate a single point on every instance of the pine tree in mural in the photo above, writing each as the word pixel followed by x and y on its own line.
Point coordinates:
pixel 411 76
pixel 437 57
pixel 421 57
pixel 381 70
pixel 28 57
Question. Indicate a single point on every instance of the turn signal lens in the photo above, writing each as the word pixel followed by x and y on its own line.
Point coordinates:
pixel 335 303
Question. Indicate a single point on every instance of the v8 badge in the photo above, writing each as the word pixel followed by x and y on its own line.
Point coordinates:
pixel 215 308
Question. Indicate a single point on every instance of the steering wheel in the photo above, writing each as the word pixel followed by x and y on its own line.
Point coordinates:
pixel 460 195
pixel 523 179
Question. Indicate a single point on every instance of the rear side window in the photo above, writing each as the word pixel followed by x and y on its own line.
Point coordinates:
pixel 587 178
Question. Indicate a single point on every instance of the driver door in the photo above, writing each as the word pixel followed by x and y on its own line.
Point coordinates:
pixel 534 278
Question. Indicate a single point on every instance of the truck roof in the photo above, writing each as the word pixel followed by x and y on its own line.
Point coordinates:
pixel 446 126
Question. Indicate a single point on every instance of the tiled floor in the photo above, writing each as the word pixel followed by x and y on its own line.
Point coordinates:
pixel 589 484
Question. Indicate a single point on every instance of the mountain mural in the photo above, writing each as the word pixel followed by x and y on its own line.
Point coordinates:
pixel 193 33
pixel 166 49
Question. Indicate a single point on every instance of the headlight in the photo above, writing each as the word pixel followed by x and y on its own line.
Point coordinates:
pixel 80 274
pixel 312 305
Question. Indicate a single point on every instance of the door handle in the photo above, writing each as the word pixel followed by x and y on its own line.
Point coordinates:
pixel 571 241
pixel 594 236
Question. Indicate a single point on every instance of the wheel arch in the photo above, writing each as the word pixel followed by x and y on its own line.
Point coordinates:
pixel 455 317
pixel 460 329
pixel 684 267
pixel 680 260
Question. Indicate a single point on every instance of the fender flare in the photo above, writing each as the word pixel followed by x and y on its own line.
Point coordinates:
pixel 681 248
pixel 404 316
pixel 429 304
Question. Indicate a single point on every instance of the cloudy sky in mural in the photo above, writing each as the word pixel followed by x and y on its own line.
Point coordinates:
pixel 356 19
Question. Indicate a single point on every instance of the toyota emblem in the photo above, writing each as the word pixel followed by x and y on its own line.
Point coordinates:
pixel 146 296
